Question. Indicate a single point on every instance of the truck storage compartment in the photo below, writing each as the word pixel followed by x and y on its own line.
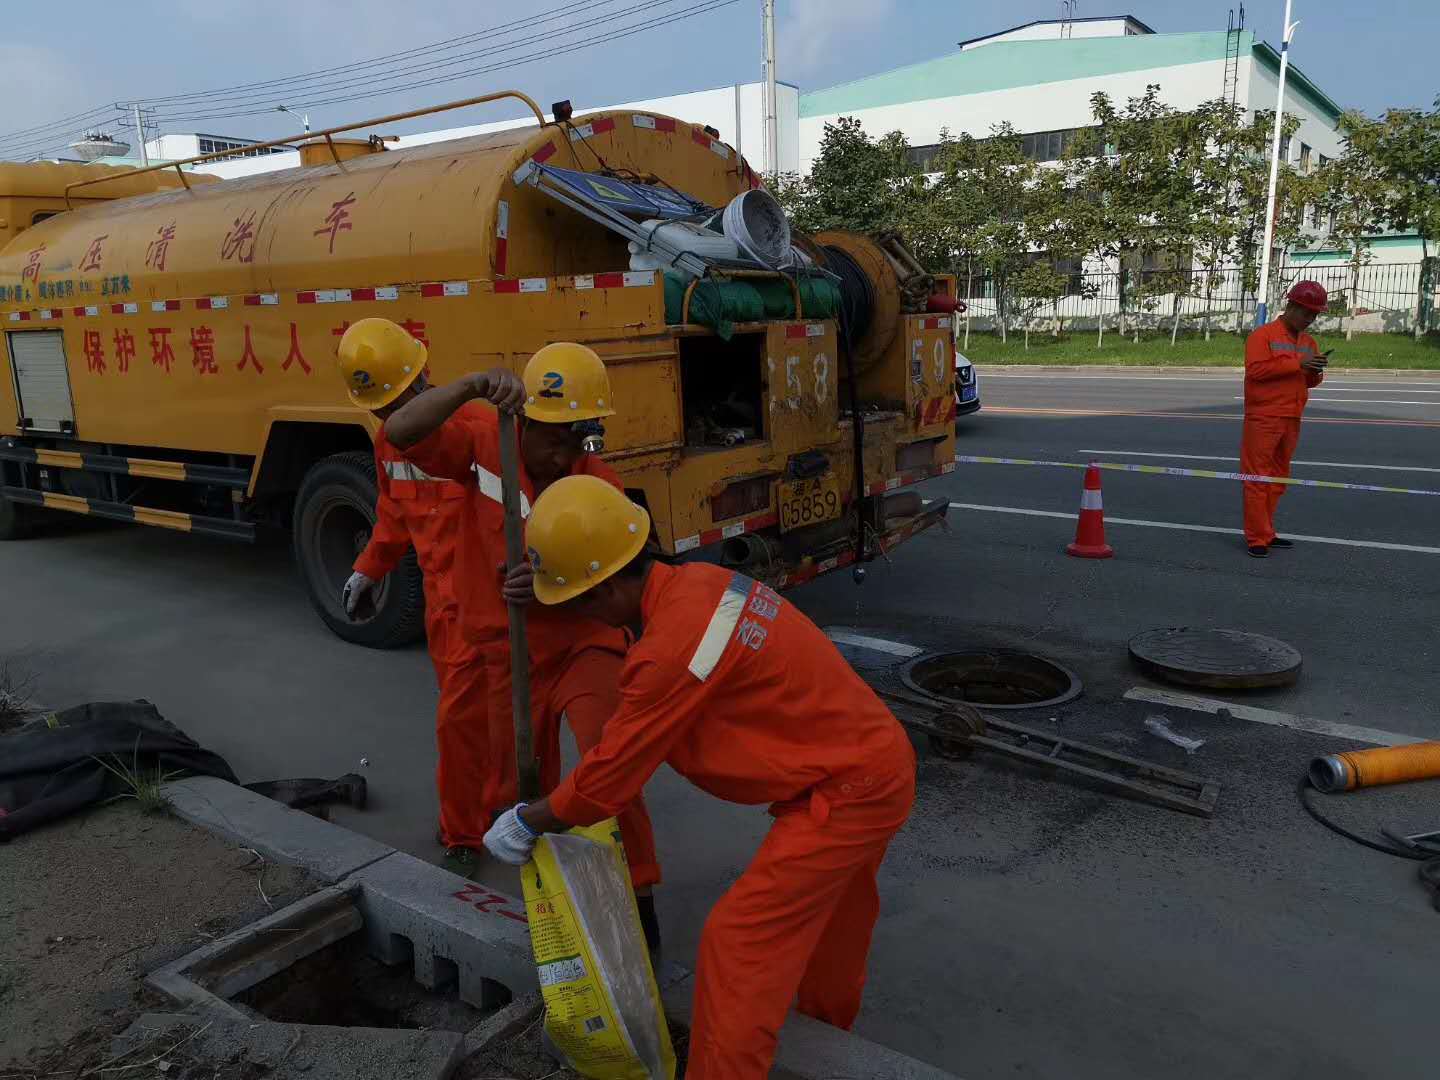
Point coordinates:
pixel 42 381
pixel 723 389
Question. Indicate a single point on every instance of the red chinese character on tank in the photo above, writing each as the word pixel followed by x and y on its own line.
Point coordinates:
pixel 202 345
pixel 239 242
pixel 161 354
pixel 338 220
pixel 295 354
pixel 416 330
pixel 247 355
pixel 157 250
pixel 93 254
pixel 94 352
pixel 32 264
pixel 124 350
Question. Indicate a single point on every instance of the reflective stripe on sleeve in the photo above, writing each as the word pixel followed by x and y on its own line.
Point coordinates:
pixel 722 625
pixel 404 470
pixel 492 488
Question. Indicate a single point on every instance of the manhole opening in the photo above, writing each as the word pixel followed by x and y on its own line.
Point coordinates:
pixel 341 985
pixel 992 679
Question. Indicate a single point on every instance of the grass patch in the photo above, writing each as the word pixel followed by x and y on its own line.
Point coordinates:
pixel 141 784
pixel 1399 351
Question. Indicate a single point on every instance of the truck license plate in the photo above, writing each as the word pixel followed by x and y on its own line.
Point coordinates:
pixel 809 501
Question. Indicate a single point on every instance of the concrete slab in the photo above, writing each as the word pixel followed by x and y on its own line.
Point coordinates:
pixel 273 829
pixel 447 927
pixel 292 1051
pixel 513 1018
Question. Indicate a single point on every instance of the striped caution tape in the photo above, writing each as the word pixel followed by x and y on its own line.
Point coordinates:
pixel 1208 474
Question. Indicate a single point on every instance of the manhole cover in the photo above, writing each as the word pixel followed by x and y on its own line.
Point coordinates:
pixel 992 679
pixel 1220 659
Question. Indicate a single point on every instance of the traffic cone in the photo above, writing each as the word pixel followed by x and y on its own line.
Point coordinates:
pixel 1090 529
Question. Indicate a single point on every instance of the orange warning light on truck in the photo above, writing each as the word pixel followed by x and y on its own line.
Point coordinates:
pixel 169 341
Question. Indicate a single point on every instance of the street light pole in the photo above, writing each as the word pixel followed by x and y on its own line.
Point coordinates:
pixel 304 117
pixel 772 109
pixel 1262 312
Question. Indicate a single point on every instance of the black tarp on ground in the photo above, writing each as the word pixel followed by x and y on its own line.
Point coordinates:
pixel 48 772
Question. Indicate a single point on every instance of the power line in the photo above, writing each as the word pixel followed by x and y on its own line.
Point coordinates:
pixel 68 122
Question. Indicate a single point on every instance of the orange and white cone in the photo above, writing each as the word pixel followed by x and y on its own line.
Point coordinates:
pixel 1090 529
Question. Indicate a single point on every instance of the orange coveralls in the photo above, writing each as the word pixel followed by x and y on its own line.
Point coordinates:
pixel 746 698
pixel 1276 389
pixel 574 666
pixel 417 509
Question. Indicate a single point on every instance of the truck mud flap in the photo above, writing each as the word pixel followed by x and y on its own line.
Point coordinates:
pixel 140 515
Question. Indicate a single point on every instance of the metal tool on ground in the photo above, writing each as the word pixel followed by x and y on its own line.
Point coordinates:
pixel 1371 768
pixel 526 765
pixel 1216 658
pixel 955 731
pixel 1090 528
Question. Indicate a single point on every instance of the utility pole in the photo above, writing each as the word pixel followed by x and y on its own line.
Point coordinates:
pixel 772 121
pixel 140 135
pixel 1262 311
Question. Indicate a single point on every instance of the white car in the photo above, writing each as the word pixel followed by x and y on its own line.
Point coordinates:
pixel 967 386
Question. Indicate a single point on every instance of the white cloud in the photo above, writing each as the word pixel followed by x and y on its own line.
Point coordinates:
pixel 811 32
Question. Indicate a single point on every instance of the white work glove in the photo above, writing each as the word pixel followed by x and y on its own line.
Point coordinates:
pixel 510 840
pixel 356 589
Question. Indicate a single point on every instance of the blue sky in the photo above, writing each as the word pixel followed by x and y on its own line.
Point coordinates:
pixel 1368 56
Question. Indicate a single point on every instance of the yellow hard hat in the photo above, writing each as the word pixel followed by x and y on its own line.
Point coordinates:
pixel 378 361
pixel 565 382
pixel 581 530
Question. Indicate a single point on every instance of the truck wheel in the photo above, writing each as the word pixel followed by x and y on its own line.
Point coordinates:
pixel 16 519
pixel 334 514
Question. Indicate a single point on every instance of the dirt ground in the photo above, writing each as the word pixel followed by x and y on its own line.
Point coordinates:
pixel 91 904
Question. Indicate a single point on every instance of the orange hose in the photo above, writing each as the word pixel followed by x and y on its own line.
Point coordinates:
pixel 1384 765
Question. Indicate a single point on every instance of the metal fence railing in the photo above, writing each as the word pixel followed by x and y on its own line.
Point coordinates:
pixel 1378 297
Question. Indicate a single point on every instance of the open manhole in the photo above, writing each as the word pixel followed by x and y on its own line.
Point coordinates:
pixel 992 679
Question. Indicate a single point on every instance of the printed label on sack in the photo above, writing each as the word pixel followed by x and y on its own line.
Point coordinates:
pixel 566 969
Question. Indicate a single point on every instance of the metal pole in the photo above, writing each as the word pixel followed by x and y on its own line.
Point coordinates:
pixel 140 135
pixel 772 121
pixel 527 768
pixel 1262 311
pixel 739 119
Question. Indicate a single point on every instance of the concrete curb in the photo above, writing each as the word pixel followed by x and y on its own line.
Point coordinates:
pixel 1161 370
pixel 447 926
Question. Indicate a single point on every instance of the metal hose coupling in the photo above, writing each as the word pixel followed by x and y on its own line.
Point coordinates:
pixel 1370 768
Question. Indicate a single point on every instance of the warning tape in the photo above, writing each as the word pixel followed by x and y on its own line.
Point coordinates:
pixel 1208 474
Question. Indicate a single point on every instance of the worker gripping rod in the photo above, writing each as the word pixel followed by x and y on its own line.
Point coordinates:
pixel 526 767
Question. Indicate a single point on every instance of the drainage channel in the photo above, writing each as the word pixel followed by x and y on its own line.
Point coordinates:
pixel 992 679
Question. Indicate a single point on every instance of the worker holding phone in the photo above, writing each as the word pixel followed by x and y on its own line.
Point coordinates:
pixel 1282 365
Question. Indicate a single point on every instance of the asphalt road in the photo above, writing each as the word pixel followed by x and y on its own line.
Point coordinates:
pixel 1030 927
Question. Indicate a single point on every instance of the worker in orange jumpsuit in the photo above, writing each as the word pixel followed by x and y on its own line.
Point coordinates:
pixel 384 369
pixel 574 666
pixel 1282 365
pixel 744 696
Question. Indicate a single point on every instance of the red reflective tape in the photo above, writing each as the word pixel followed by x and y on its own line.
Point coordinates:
pixel 502 254
pixel 510 286
pixel 953 410
pixel 610 281
pixel 252 300
pixel 202 304
pixel 700 137
pixel 77 311
pixel 797 331
pixel 305 297
pixel 599 127
pixel 665 123
pixel 115 309
pixel 432 288
pixel 362 294
pixel 544 154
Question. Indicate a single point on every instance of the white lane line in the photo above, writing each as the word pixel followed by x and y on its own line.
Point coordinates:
pixel 1269 716
pixel 1198 528
pixel 1330 383
pixel 1362 401
pixel 1218 457
pixel 894 648
pixel 1376 390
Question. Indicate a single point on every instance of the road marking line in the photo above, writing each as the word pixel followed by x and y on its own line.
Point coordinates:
pixel 1373 390
pixel 1219 457
pixel 1198 528
pixel 1019 411
pixel 991 373
pixel 1271 717
pixel 1363 401
pixel 894 648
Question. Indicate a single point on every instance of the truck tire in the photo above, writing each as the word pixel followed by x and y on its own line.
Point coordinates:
pixel 334 514
pixel 16 519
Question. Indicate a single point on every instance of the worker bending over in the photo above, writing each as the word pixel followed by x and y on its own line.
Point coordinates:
pixel 574 665
pixel 384 369
pixel 744 696
pixel 1282 365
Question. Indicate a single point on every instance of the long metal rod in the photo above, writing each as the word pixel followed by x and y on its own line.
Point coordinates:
pixel 326 133
pixel 526 767
pixel 772 108
pixel 1262 309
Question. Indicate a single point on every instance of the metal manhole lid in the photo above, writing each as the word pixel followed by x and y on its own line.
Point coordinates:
pixel 1222 659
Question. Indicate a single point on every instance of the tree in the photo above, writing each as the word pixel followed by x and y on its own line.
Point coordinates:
pixel 1350 201
pixel 856 182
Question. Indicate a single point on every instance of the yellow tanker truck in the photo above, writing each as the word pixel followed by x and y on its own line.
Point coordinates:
pixel 169 344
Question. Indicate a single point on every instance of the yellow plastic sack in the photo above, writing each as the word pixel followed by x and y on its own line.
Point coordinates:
pixel 602 1006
